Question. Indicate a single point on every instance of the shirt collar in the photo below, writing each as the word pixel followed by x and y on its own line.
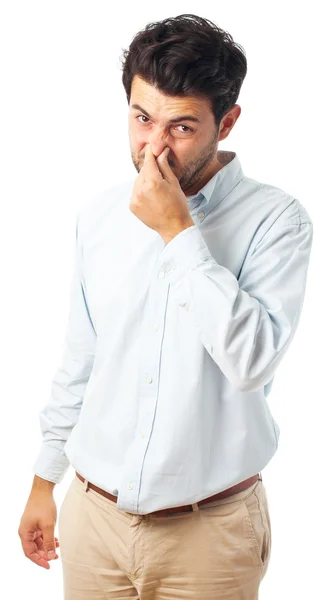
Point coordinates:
pixel 217 188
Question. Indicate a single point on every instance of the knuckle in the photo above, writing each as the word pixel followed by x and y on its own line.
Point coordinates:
pixel 150 185
pixel 47 526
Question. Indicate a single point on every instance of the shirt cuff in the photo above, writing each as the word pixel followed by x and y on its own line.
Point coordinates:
pixel 51 464
pixel 184 252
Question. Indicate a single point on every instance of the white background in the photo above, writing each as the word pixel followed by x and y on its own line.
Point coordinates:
pixel 64 137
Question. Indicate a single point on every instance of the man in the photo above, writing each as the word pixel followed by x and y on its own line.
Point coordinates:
pixel 187 291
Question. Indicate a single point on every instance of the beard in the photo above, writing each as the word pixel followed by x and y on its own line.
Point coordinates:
pixel 192 172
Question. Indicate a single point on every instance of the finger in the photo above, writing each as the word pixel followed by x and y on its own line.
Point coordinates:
pixel 39 532
pixel 164 165
pixel 32 553
pixel 40 542
pixel 40 561
pixel 151 168
pixel 49 543
pixel 40 550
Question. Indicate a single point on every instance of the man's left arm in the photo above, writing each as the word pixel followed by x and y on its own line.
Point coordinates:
pixel 246 325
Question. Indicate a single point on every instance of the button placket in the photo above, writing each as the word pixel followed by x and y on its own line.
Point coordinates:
pixel 151 345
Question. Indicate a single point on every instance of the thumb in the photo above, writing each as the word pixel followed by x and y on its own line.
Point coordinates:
pixel 49 541
pixel 163 156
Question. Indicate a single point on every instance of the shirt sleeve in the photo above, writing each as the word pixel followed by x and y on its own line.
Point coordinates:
pixel 246 323
pixel 61 413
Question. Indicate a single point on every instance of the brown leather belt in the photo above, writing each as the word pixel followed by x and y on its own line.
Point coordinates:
pixel 239 487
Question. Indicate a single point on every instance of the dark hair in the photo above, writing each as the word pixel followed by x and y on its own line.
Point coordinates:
pixel 187 56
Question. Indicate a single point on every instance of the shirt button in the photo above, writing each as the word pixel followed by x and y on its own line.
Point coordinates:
pixel 161 274
pixel 143 434
pixel 186 306
pixel 130 486
pixel 149 379
pixel 201 214
pixel 172 269
pixel 156 327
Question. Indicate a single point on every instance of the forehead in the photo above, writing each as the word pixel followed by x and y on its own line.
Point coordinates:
pixel 153 100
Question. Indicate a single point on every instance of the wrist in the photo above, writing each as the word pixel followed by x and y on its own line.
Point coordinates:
pixel 42 485
pixel 172 232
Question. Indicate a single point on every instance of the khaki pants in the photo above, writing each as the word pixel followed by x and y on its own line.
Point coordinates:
pixel 220 551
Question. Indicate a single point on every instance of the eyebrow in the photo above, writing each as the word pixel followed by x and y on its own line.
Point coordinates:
pixel 175 120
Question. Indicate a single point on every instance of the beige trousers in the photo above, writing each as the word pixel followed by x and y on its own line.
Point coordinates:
pixel 220 551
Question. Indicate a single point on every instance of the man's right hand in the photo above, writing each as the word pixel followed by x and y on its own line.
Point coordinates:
pixel 36 528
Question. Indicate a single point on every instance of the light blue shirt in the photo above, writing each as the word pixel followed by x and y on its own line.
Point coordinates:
pixel 171 350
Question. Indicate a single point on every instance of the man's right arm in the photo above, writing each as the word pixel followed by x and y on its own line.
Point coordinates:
pixel 42 485
pixel 61 413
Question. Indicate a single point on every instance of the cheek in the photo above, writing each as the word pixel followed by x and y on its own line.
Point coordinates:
pixel 138 144
pixel 136 134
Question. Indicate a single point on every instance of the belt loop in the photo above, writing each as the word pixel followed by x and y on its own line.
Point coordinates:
pixel 86 483
pixel 195 506
pixel 260 476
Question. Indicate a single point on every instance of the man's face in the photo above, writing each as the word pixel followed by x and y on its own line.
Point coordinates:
pixel 193 143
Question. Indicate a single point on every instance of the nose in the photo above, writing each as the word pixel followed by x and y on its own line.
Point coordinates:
pixel 157 144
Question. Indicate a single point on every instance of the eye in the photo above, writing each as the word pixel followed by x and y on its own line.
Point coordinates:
pixel 188 129
pixel 143 116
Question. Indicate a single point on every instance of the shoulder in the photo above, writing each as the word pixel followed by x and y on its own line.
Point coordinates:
pixel 104 205
pixel 276 206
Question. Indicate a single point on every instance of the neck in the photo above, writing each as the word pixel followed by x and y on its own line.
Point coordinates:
pixel 214 167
